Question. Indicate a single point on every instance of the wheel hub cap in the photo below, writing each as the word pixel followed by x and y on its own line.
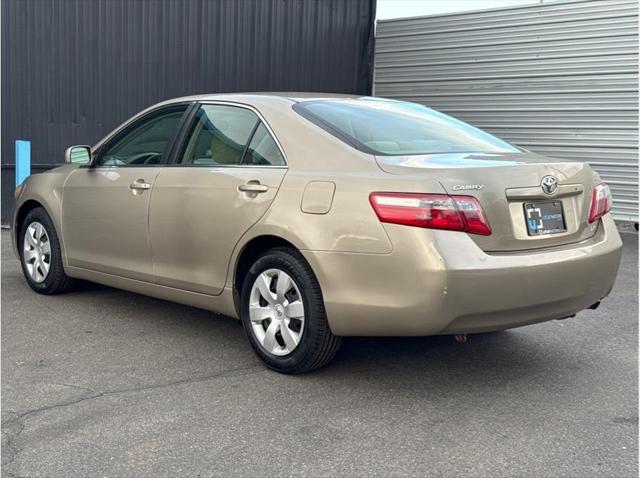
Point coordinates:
pixel 36 252
pixel 276 312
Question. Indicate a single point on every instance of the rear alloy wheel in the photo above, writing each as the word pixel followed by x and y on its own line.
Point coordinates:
pixel 283 313
pixel 40 254
pixel 276 312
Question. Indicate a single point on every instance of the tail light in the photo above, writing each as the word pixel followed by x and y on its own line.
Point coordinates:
pixel 431 211
pixel 600 202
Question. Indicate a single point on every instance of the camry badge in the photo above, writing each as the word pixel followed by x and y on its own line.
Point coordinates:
pixel 549 184
pixel 467 187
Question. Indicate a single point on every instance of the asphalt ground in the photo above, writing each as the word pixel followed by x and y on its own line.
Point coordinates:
pixel 101 382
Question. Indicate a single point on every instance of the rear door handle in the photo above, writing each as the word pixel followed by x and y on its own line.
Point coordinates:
pixel 140 184
pixel 253 187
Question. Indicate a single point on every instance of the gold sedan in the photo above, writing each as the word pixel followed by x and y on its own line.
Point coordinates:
pixel 312 217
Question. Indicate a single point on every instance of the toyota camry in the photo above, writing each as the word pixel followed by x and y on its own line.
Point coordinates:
pixel 313 217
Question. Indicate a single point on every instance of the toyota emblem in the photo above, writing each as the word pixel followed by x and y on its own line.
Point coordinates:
pixel 549 184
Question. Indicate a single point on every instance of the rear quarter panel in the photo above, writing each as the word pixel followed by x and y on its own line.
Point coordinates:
pixel 350 224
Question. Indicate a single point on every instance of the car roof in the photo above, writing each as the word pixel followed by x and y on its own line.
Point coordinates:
pixel 294 97
pixel 249 98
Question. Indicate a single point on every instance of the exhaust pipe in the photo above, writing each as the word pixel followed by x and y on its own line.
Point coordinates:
pixel 593 306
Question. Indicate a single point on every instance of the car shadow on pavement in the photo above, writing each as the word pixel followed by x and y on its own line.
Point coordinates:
pixel 499 357
pixel 496 359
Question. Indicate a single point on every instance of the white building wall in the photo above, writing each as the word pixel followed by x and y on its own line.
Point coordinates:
pixel 558 78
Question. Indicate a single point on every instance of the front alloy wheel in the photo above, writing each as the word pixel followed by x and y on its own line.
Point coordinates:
pixel 36 253
pixel 40 254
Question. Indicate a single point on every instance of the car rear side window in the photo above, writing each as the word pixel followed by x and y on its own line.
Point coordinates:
pixel 388 127
pixel 263 150
pixel 219 136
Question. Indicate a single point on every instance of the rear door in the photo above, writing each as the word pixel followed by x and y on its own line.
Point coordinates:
pixel 225 176
pixel 105 206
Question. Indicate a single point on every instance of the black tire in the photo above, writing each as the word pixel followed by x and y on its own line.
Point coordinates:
pixel 317 345
pixel 56 281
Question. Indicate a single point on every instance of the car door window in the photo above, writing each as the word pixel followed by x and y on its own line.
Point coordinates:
pixel 219 136
pixel 263 150
pixel 145 142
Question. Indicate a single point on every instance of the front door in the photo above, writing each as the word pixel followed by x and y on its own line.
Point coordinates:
pixel 226 175
pixel 105 207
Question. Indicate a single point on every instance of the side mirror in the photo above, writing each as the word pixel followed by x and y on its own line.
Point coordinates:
pixel 78 155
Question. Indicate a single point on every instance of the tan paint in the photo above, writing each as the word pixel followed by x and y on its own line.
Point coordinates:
pixel 318 197
pixel 376 279
pixel 503 208
pixel 441 282
pixel 196 218
pixel 105 222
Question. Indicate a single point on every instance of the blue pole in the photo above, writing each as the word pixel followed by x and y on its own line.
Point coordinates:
pixel 23 160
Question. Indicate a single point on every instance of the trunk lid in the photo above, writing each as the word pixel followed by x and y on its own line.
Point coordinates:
pixel 504 184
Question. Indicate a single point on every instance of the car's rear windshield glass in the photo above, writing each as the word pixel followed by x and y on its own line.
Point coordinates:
pixel 388 127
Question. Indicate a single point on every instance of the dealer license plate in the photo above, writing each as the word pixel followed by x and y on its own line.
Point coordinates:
pixel 544 217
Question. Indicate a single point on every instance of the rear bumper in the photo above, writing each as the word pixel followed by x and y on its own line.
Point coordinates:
pixel 441 282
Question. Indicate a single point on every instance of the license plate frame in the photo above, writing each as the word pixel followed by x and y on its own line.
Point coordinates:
pixel 544 217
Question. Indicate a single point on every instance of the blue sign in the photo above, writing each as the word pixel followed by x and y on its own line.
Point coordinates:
pixel 23 160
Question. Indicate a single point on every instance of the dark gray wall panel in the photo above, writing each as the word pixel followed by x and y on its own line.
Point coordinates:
pixel 74 69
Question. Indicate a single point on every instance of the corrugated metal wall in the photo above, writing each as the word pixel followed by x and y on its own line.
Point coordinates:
pixel 73 69
pixel 557 78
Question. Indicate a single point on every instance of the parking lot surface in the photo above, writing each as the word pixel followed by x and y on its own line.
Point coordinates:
pixel 101 382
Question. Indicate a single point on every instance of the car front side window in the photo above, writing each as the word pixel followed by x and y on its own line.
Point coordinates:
pixel 144 143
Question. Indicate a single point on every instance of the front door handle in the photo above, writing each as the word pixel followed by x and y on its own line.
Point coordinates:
pixel 140 185
pixel 253 187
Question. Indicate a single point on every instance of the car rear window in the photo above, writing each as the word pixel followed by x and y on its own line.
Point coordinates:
pixel 390 128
